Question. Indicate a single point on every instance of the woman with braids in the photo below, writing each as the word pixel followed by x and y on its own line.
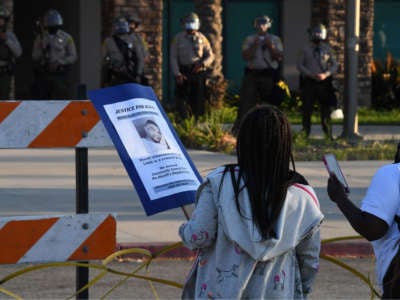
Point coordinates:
pixel 256 228
pixel 378 220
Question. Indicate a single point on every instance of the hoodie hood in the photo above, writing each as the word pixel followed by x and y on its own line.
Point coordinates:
pixel 299 215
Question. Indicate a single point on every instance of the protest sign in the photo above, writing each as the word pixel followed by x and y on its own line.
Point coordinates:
pixel 158 164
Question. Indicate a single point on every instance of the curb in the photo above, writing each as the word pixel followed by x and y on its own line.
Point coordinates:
pixel 336 249
pixel 347 249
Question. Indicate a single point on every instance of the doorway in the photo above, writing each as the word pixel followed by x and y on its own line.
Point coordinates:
pixel 82 20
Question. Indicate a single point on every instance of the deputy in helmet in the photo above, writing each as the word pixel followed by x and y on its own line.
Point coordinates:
pixel 190 56
pixel 123 61
pixel 318 33
pixel 191 22
pixel 262 53
pixel 137 36
pixel 10 49
pixel 52 21
pixel 317 64
pixel 53 54
pixel 121 26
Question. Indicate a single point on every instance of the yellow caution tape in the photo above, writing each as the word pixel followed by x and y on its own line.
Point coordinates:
pixel 104 270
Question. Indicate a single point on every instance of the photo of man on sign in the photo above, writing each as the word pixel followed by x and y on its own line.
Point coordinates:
pixel 151 135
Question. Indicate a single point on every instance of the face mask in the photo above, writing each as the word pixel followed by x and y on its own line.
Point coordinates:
pixel 261 23
pixel 318 35
pixel 192 26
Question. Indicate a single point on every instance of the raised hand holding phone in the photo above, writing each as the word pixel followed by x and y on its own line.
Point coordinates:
pixel 332 166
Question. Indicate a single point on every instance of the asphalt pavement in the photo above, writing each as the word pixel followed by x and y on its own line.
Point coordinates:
pixel 332 281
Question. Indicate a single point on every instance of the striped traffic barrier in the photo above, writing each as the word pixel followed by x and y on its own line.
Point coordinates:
pixel 51 124
pixel 54 124
pixel 39 239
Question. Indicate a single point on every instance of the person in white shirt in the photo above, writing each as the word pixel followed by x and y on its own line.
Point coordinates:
pixel 317 66
pixel 378 221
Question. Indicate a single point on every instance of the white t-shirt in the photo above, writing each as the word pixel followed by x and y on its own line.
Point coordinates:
pixel 383 200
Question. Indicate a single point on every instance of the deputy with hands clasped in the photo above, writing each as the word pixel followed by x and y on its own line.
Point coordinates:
pixel 190 56
pixel 317 64
pixel 10 49
pixel 263 53
pixel 377 220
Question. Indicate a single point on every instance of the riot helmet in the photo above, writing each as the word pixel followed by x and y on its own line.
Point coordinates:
pixel 52 19
pixel 191 21
pixel 4 13
pixel 262 20
pixel 318 33
pixel 121 26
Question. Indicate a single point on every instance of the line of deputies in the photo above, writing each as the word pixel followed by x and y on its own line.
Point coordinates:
pixel 316 63
pixel 54 52
pixel 191 55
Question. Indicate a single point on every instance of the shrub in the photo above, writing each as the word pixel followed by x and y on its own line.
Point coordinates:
pixel 209 132
pixel 385 83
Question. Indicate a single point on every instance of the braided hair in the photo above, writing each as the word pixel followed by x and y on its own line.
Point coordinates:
pixel 264 147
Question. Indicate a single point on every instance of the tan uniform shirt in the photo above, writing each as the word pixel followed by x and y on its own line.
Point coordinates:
pixel 114 58
pixel 262 57
pixel 54 49
pixel 13 44
pixel 310 62
pixel 187 49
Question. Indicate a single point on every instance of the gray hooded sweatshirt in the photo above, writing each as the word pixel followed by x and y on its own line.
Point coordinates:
pixel 233 260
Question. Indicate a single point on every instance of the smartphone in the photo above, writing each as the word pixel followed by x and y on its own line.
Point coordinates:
pixel 332 166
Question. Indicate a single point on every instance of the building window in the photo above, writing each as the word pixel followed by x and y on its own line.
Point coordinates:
pixel 386 26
